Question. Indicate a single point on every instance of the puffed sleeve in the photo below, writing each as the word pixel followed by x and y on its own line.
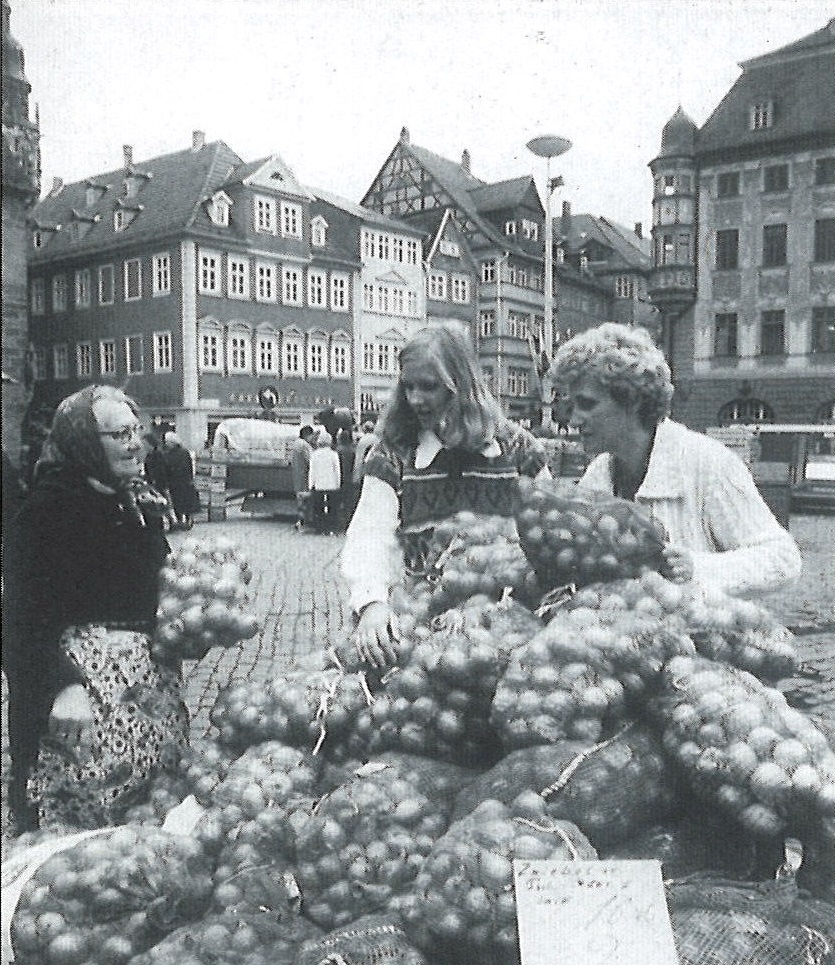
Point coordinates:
pixel 755 554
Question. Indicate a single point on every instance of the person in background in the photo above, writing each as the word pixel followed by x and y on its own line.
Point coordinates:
pixel 300 465
pixel 721 533
pixel 364 444
pixel 180 467
pixel 156 472
pixel 87 549
pixel 443 446
pixel 346 451
pixel 324 482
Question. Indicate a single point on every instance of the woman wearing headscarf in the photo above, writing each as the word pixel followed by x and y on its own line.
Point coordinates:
pixel 90 715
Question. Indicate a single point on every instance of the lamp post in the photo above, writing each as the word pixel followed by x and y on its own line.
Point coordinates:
pixel 548 146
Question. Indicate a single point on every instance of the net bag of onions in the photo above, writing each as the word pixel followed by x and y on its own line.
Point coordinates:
pixel 370 940
pixel 716 922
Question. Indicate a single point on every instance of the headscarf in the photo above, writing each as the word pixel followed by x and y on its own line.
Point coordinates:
pixel 74 448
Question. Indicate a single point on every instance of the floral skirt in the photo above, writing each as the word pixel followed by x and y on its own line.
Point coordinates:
pixel 140 727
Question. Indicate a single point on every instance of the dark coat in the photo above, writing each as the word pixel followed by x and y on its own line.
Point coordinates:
pixel 181 481
pixel 156 469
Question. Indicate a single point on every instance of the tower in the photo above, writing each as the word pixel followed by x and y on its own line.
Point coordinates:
pixel 21 175
pixel 672 286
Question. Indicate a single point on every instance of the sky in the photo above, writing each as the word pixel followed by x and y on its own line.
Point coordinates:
pixel 328 84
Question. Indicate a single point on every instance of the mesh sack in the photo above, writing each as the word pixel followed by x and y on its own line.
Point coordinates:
pixel 233 938
pixel 370 940
pixel 305 709
pixel 609 790
pixel 717 923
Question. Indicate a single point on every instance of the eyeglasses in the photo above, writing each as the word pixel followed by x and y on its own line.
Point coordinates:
pixel 124 434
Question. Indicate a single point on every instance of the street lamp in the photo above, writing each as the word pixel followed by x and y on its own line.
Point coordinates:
pixel 548 146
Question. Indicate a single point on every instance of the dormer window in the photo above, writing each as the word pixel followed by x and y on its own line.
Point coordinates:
pixel 530 229
pixel 121 219
pixel 318 232
pixel 762 116
pixel 510 227
pixel 218 209
pixel 38 239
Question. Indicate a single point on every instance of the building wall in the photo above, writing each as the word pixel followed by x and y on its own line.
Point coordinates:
pixel 14 320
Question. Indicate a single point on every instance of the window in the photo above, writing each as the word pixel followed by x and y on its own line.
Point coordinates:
pixel 746 411
pixel 488 271
pixel 398 300
pixel 367 357
pixel 624 287
pixel 385 357
pixel 368 297
pixel 762 115
pixel 340 359
pixel 724 337
pixel 825 239
pixel 776 177
pixel 510 227
pixel 133 279
pixel 38 296
pixel 517 381
pixel 411 252
pixel 518 326
pixel 37 239
pixel 267 353
pixel 265 282
pixel 384 247
pixel 437 285
pixel 264 210
pixel 774 245
pixel 291 220
pixel 530 229
pixel 161 274
pixel 339 292
pixel 449 248
pixel 411 303
pixel 39 364
pixel 210 359
pixel 398 249
pixel 291 286
pixel 669 184
pixel 59 293
pixel 292 355
pixel 238 352
pixel 486 323
pixel 727 249
pixel 461 289
pixel 773 334
pixel 683 248
pixel 316 289
pixel 120 219
pixel 727 184
pixel 318 232
pixel 106 285
pixel 60 362
pixel 163 352
pixel 823 329
pixel 316 349
pixel 84 360
pixel 219 211
pixel 209 277
pixel 238 277
pixel 825 170
pixel 107 357
pixel 383 298
pixel 134 356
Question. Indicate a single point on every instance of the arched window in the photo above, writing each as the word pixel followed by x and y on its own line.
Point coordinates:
pixel 745 411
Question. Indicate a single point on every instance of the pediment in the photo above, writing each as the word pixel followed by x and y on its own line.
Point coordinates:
pixel 276 175
pixel 392 278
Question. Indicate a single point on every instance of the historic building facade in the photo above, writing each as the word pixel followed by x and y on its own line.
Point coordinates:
pixel 194 280
pixel 21 176
pixel 744 244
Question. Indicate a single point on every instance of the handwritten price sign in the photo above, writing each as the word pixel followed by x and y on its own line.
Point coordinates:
pixel 594 912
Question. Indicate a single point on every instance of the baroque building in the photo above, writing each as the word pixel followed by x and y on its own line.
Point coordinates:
pixel 21 177
pixel 744 244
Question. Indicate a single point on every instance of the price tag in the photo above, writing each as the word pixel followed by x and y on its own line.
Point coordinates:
pixel 594 912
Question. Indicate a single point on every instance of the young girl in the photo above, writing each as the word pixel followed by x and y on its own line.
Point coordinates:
pixel 444 446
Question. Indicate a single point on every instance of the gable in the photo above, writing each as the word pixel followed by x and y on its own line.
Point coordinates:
pixel 276 175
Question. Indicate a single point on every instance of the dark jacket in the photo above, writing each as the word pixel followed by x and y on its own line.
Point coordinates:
pixel 181 480
pixel 156 469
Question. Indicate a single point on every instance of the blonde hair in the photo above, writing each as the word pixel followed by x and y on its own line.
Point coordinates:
pixel 626 362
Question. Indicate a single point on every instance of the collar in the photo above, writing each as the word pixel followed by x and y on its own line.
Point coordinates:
pixel 429 445
pixel 665 472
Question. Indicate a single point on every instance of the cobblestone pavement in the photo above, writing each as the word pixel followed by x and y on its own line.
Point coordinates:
pixel 302 608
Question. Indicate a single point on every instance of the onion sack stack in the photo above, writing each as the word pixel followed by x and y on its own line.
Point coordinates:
pixel 203 601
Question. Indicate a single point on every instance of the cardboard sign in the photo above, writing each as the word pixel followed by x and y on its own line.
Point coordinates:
pixel 594 912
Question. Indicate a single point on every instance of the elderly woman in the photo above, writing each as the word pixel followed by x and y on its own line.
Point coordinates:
pixel 721 532
pixel 443 446
pixel 87 716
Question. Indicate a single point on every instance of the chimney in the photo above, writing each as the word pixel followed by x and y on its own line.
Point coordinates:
pixel 57 187
pixel 639 229
pixel 127 151
pixel 465 160
pixel 198 140
pixel 404 135
pixel 565 220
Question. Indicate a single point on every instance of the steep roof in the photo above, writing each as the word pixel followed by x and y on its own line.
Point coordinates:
pixel 502 194
pixel 174 186
pixel 799 80
pixel 628 249
pixel 368 215
pixel 678 138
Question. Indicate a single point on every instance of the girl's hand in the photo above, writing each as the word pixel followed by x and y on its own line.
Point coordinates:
pixel 377 635
pixel 71 719
pixel 678 564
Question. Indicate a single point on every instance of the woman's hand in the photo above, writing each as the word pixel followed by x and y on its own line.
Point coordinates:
pixel 678 564
pixel 377 635
pixel 71 720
